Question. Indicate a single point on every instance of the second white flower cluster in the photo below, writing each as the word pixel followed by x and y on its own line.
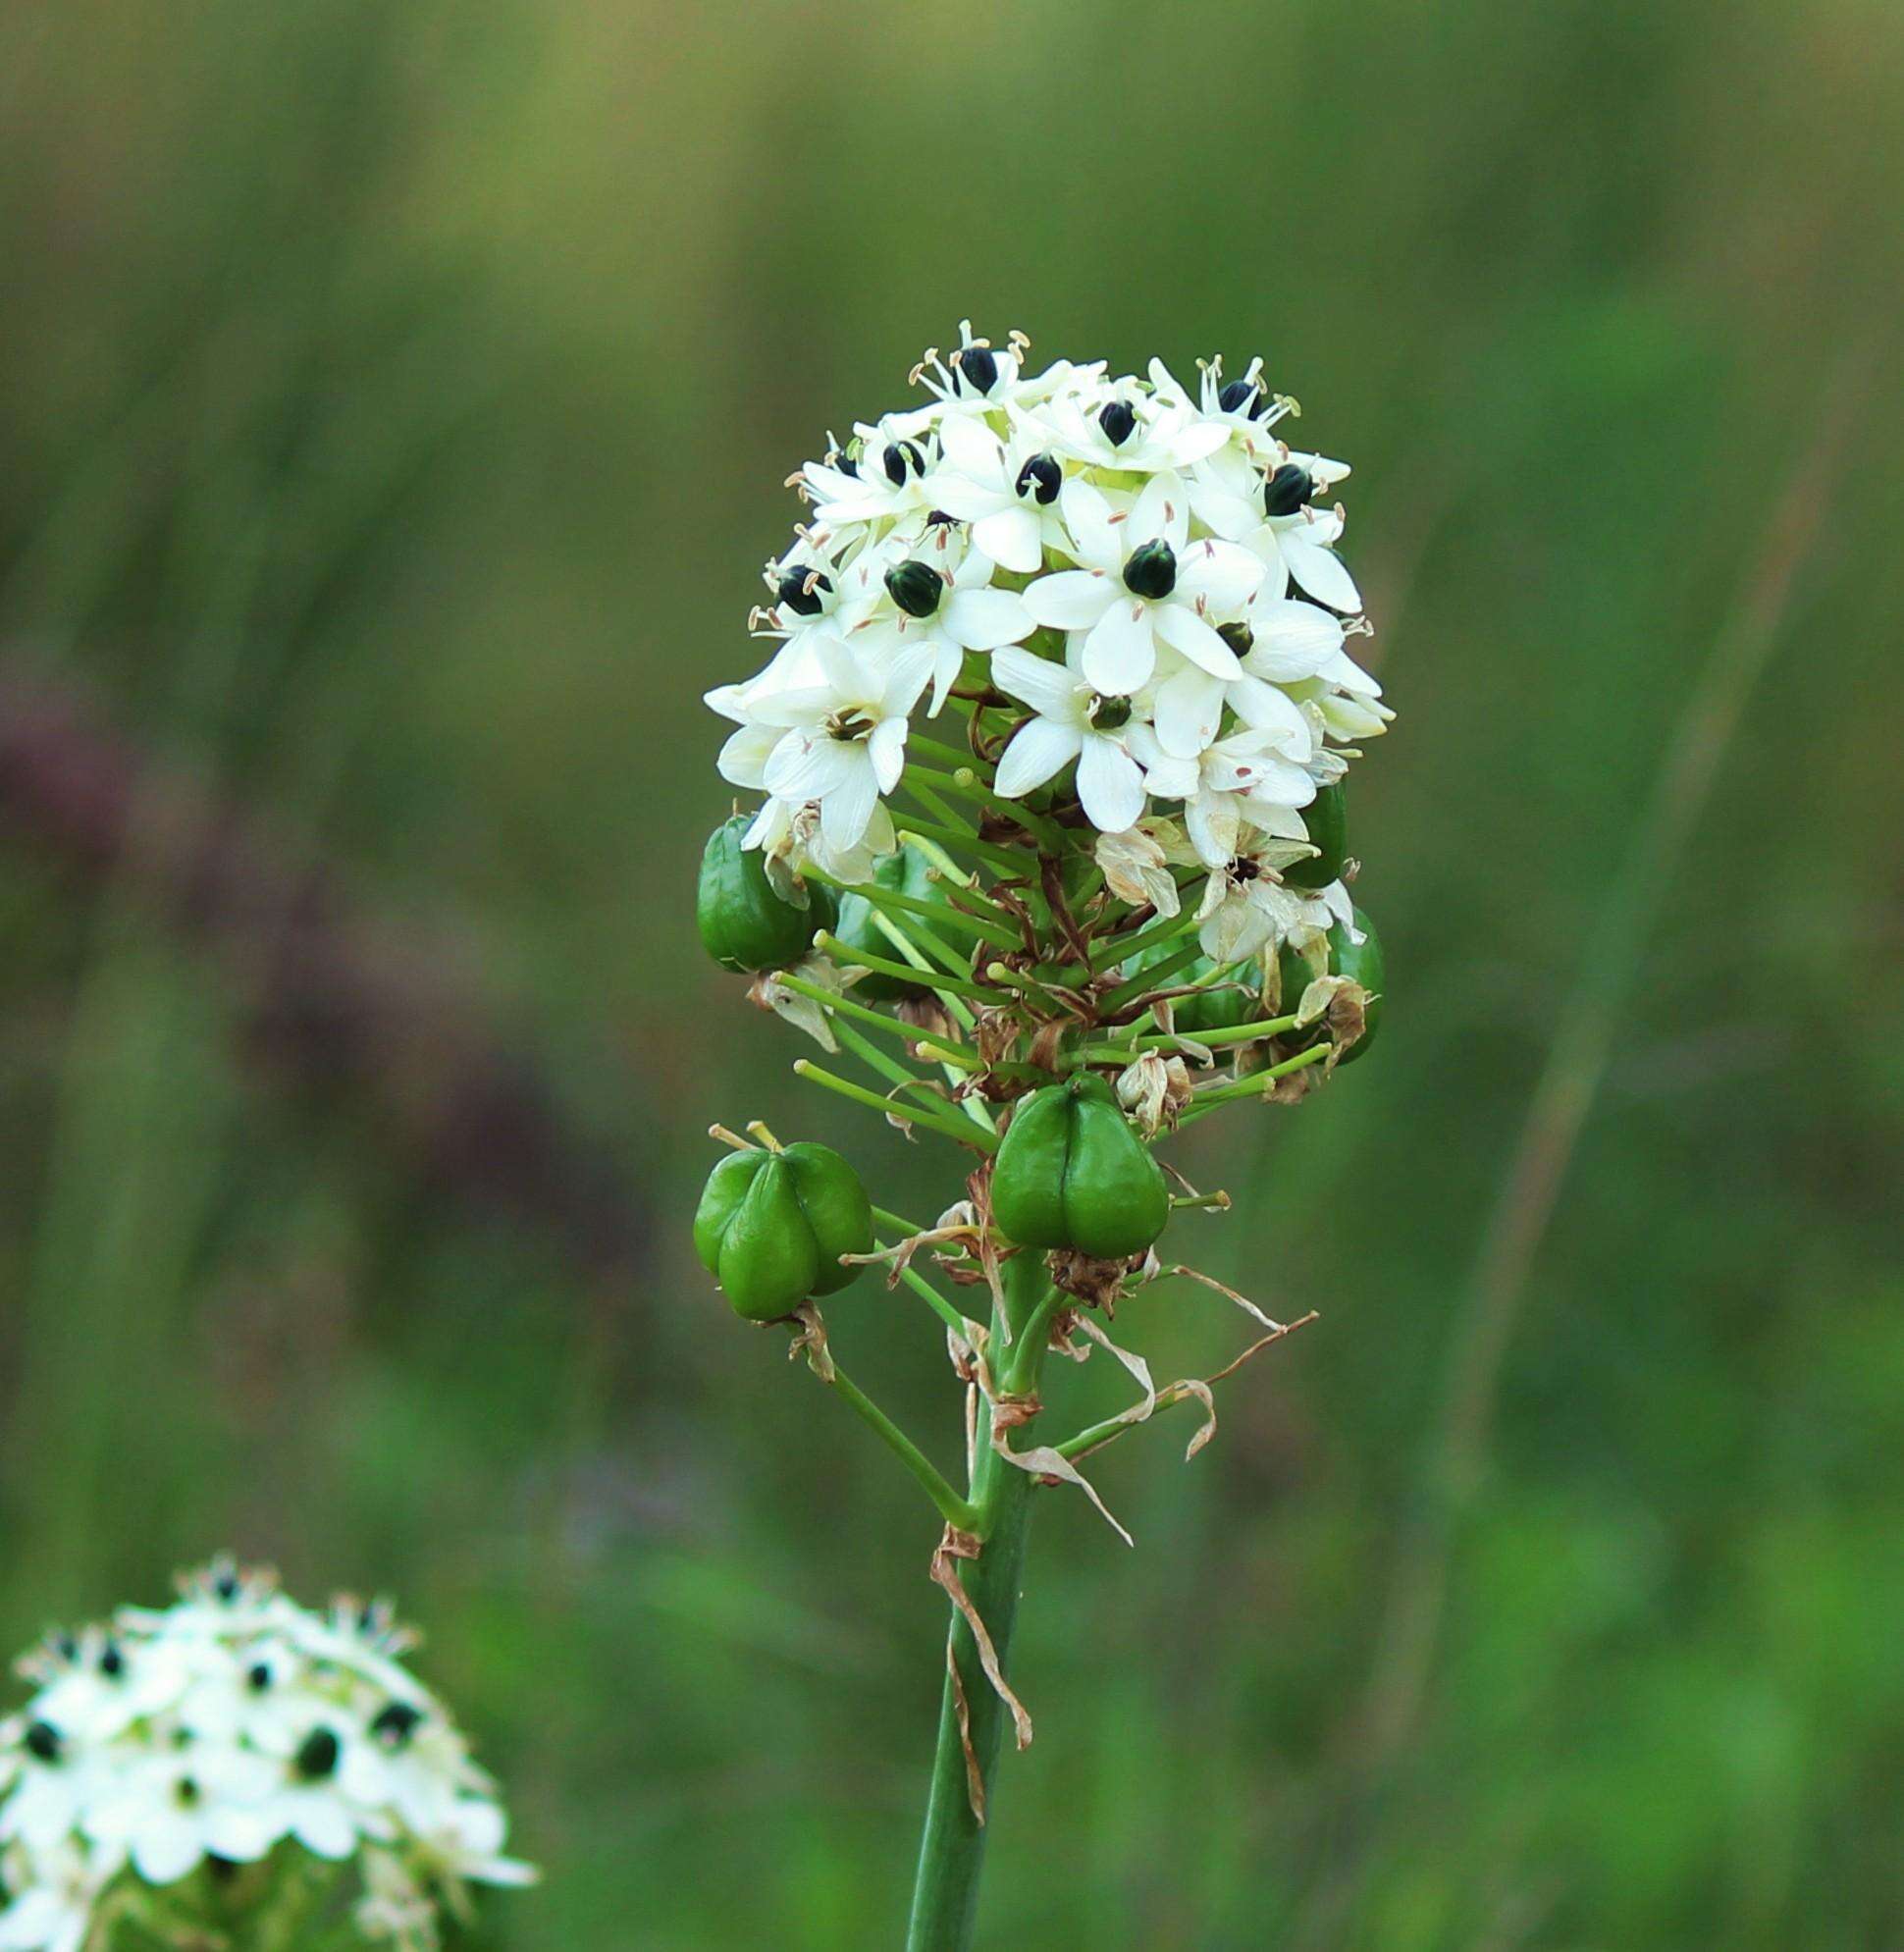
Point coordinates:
pixel 220 1729
pixel 1149 576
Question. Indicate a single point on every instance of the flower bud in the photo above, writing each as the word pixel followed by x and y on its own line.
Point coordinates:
pixel 1288 490
pixel 1151 570
pixel 916 587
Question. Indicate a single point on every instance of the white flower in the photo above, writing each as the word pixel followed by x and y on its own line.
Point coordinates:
pixel 260 1727
pixel 58 1889
pixel 1231 781
pixel 942 597
pixel 1007 492
pixel 1145 583
pixel 170 1811
pixel 1300 548
pixel 886 478
pixel 843 742
pixel 1125 428
pixel 1246 909
pixel 1109 783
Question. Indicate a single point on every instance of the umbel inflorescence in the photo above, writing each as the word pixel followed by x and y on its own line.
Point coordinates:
pixel 1053 846
pixel 235 1768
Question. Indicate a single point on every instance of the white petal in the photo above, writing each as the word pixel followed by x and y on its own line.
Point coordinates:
pixel 1162 509
pixel 805 768
pixel 1013 538
pixel 1071 600
pixel 1212 822
pixel 1264 708
pixel 845 812
pixel 906 678
pixel 1109 784
pixel 969 446
pixel 1183 630
pixel 983 619
pixel 1292 640
pixel 1088 516
pixel 1041 748
pixel 1121 653
pixel 1189 710
pixel 1224 574
pixel 1319 570
pixel 888 750
pixel 849 678
pixel 1050 689
pixel 744 757
pixel 965 498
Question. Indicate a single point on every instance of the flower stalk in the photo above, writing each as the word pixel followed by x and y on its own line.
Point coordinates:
pixel 1132 857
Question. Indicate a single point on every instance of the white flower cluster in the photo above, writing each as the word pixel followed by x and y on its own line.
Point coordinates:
pixel 1145 572
pixel 230 1726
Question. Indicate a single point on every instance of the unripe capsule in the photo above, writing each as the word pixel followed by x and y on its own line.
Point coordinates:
pixel 1229 998
pixel 1326 817
pixel 771 1228
pixel 1072 1174
pixel 745 925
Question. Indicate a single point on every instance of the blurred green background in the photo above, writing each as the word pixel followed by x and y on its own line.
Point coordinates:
pixel 394 402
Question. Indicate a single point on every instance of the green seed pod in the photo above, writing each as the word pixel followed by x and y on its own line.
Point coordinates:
pixel 1361 962
pixel 1327 819
pixel 1234 997
pixel 1073 1174
pixel 745 925
pixel 771 1226
pixel 907 873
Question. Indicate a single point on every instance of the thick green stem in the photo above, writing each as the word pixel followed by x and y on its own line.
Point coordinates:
pixel 945 1897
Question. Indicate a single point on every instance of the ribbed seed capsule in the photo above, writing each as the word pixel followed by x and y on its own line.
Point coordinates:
pixel 745 925
pixel 1072 1174
pixel 771 1228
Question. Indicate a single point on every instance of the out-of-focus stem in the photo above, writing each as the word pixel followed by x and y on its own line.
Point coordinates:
pixel 951 1854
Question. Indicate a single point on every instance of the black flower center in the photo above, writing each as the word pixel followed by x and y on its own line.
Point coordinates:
pixel 1151 570
pixel 395 1724
pixel 901 458
pixel 975 370
pixel 44 1741
pixel 1288 490
pixel 259 1678
pixel 916 587
pixel 1244 396
pixel 800 590
pixel 854 724
pixel 1041 478
pixel 1118 421
pixel 1108 713
pixel 317 1756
